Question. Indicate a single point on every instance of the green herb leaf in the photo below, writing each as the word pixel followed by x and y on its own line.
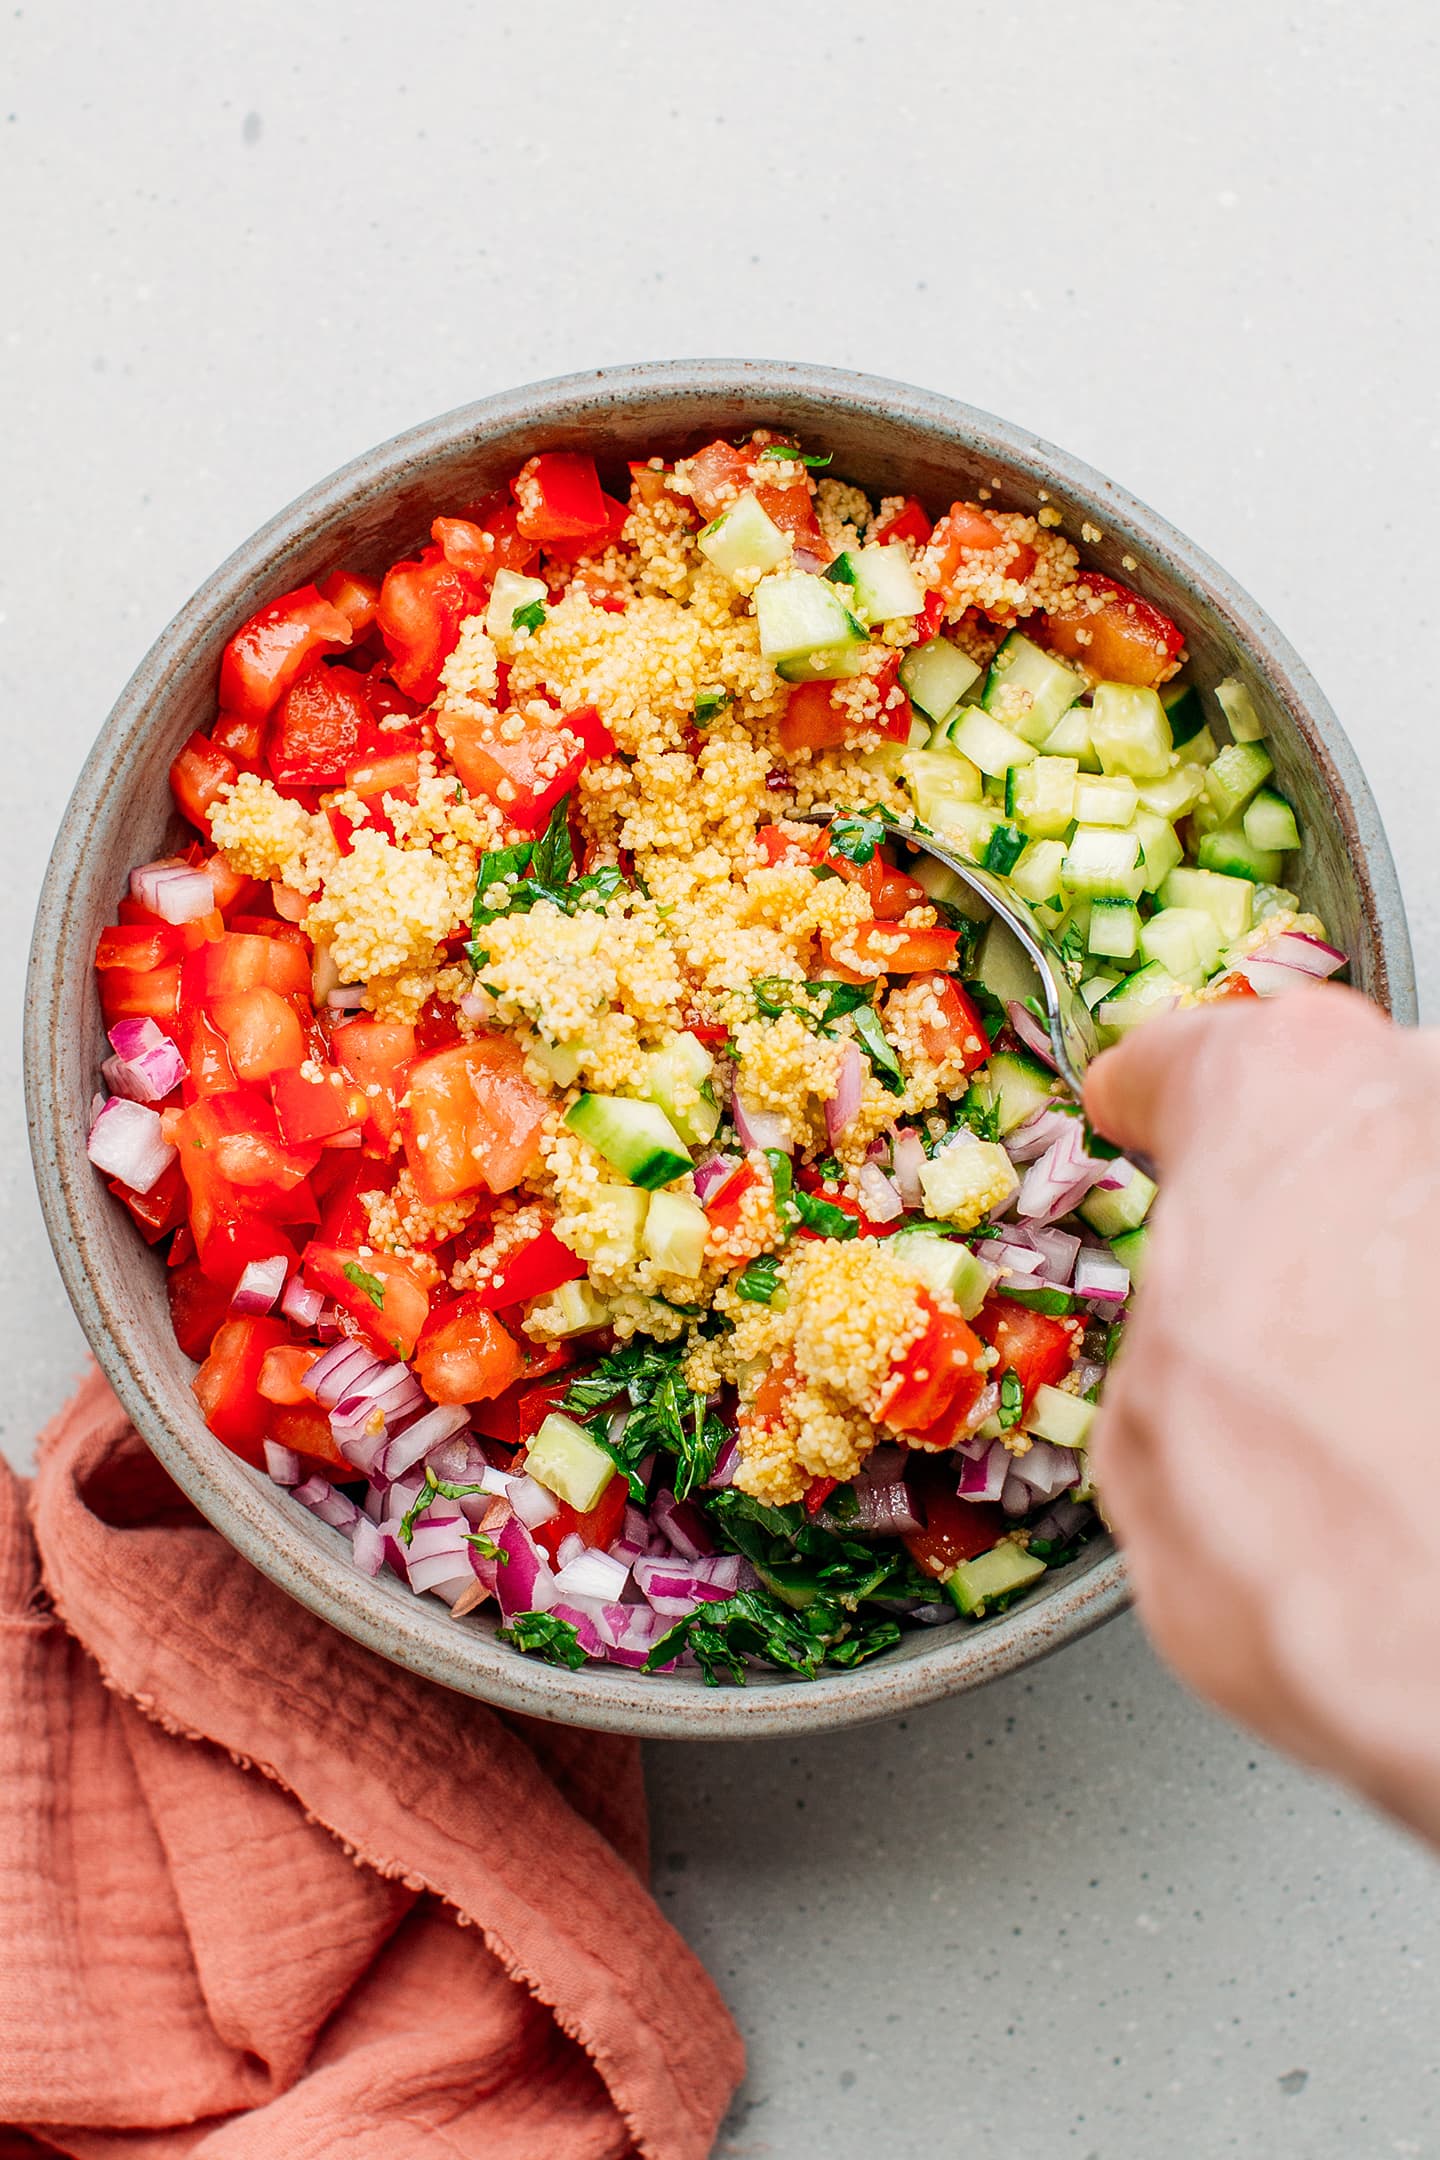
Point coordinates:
pixel 1012 1399
pixel 788 454
pixel 782 1179
pixel 664 1413
pixel 528 617
pixel 486 1547
pixel 708 704
pixel 981 1116
pixel 1054 1302
pixel 372 1286
pixel 819 1004
pixel 878 1048
pixel 759 1280
pixel 825 1219
pixel 857 834
pixel 554 858
pixel 435 1489
pixel 1003 850
pixel 541 1633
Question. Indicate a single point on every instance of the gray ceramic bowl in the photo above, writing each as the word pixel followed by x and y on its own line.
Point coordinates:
pixel 888 437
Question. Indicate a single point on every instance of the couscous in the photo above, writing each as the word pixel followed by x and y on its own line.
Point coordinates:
pixel 590 1185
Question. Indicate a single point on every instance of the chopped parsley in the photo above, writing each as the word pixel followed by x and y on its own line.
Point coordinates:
pixel 858 833
pixel 664 1413
pixel 436 1489
pixel 528 617
pixel 878 1048
pixel 788 454
pixel 372 1286
pixel 540 1632
pixel 510 880
pixel 823 1217
pixel 759 1281
pixel 820 1004
pixel 709 704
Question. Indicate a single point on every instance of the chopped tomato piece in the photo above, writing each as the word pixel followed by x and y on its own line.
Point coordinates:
pixel 241 738
pixel 140 994
pixel 320 727
pixel 471 1119
pixel 909 523
pixel 533 1270
pixel 198 774
pixel 262 1032
pixel 247 960
pixel 304 1427
pixel 380 772
pixel 1124 640
pixel 468 548
pixel 313 1107
pixel 282 1374
pixel 276 646
pixel 775 846
pixel 197 1307
pixel 793 509
pixel 355 597
pixel 1037 1349
pixel 381 1291
pixel 955 1529
pixel 207 1059
pixel 599 1526
pixel 1225 987
pixel 227 1386
pixel 375 1054
pixel 593 543
pixel 517 1415
pixel 717 474
pixel 340 1181
pixel 231 889
pixel 422 605
pixel 875 949
pixel 954 1030
pixel 818 1492
pixel 464 1354
pixel 942 1366
pixel 526 777
pixel 966 530
pixel 891 892
pixel 813 719
pixel 557 496
pixel 436 1025
pixel 141 946
pixel 722 1209
pixel 497 516
pixel 767 1403
pixel 157 1212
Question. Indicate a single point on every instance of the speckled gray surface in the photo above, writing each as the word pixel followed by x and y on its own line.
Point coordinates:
pixel 1063 1916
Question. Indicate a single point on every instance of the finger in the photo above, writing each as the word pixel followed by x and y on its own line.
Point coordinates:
pixel 1132 1092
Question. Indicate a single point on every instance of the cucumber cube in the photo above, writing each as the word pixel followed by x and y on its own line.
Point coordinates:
pixel 994 1574
pixel 576 1310
pixel 1160 849
pixel 675 1233
pixel 938 780
pixel 744 542
pixel 1176 795
pixel 1130 731
pixel 1238 707
pixel 1104 863
pixel 1062 1419
pixel 1110 1214
pixel 1270 824
pixel 1102 801
pixel 1002 965
pixel 1150 990
pixel 508 595
pixel 1041 796
pixel 802 619
pixel 1019 1086
pixel 943 1264
pixel 567 1462
pixel 680 1082
pixel 1070 737
pixel 560 1060
pixel 1229 850
pixel 1129 1250
pixel 1114 932
pixel 1201 749
pixel 936 676
pixel 968 827
pixel 886 586
pixel 1183 710
pixel 1230 900
pixel 989 745
pixel 1184 940
pixel 1037 875
pixel 1237 772
pixel 1096 988
pixel 1029 689
pixel 636 1137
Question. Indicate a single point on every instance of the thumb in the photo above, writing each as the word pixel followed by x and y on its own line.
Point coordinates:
pixel 1137 1093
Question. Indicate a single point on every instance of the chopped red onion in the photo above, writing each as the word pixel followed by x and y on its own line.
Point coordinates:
pixel 682 1523
pixel 146 1066
pixel 1115 1174
pixel 675 1588
pixel 844 1101
pixel 126 1142
pixel 878 1196
pixel 322 1499
pixel 570 1548
pixel 1032 1032
pixel 713 1171
pixel 261 1282
pixel 985 1478
pixel 1297 949
pixel 531 1502
pixel 329 1376
pixel 367 1547
pixel 173 891
pixel 282 1464
pixel 1057 1248
pixel 1100 1275
pixel 592 1574
pixel 761 1128
pixel 406 1448
pixel 1061 1177
pixel 908 1159
pixel 446 1577
pixel 497 1481
pixel 984 1407
pixel 1015 1498
pixel 1019 1259
pixel 583 1622
pixel 726 1464
pixel 1272 977
pixel 636 1636
pixel 1030 1140
pixel 300 1303
pixel 883 1503
pixel 524 1581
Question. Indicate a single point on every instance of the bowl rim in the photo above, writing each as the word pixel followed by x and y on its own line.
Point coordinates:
pixel 286 1544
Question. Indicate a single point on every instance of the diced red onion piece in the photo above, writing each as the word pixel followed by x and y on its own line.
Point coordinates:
pixel 878 1196
pixel 1273 977
pixel 713 1171
pixel 1115 1174
pixel 300 1303
pixel 1019 1259
pixel 147 1066
pixel 682 1523
pixel 1100 1275
pixel 531 1502
pixel 261 1282
pixel 592 1574
pixel 1311 955
pixel 636 1635
pixel 583 1622
pixel 1048 1470
pixel 367 1547
pixel 570 1548
pixel 985 1478
pixel 438 1531
pixel 404 1449
pixel 282 1464
pixel 329 1376
pixel 1057 1248
pixel 844 1101
pixel 498 1482
pixel 173 891
pixel 1015 1498
pixel 676 1587
pixel 1032 1032
pixel 444 1578
pixel 332 1507
pixel 524 1581
pixel 1030 1140
pixel 908 1158
pixel 126 1142
pixel 984 1407
pixel 1061 1177
pixel 761 1128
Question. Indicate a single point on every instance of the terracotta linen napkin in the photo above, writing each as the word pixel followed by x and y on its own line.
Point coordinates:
pixel 264 1895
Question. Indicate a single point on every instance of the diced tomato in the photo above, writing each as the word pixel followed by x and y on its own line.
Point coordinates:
pixel 436 1026
pixel 198 774
pixel 517 1415
pixel 497 516
pixel 1038 1350
pixel 157 1212
pixel 943 1367
pixel 775 846
pixel 767 1403
pixel 722 1208
pixel 321 726
pixel 247 960
pixel 809 1180
pixel 909 523
pixel 593 543
pixel 813 719
pixel 959 1031
pixel 466 547
pixel 1225 987
pixel 197 1307
pixel 928 621
pixel 241 737
pixel 648 484
pixel 381 1291
pixel 276 646
pixel 140 994
pixel 380 772
pixel 818 1492
pixel 282 1374
pixel 311 1110
pixel 305 1428
pixel 140 946
pixel 955 1529
pixel 422 605
pixel 526 777
pixel 207 1058
pixel 387 700
pixel 717 474
pixel 227 1386
pixel 793 510
pixel 558 497
pixel 340 1181
pixel 235 1163
pixel 532 1271
pixel 472 1119
pixel 464 1354
pixel 585 722
pixel 375 1054
pixel 891 893
pixel 598 1527
pixel 355 597
pixel 875 949
pixel 232 891
pixel 262 1032
pixel 966 530
pixel 1124 640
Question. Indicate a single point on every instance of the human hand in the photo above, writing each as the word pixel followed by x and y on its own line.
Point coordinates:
pixel 1269 1448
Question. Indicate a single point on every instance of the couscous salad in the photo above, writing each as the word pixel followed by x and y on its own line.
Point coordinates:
pixel 593 1188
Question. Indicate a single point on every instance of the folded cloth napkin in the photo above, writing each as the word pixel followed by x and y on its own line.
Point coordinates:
pixel 262 1894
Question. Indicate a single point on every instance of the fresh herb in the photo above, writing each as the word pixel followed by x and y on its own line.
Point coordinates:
pixel 979 1115
pixel 433 1489
pixel 1003 850
pixel 486 1547
pixel 759 1281
pixel 858 833
pixel 818 1003
pixel 782 1180
pixel 532 870
pixel 823 1217
pixel 1072 951
pixel 1113 1340
pixel 528 617
pixel 664 1413
pixel 554 1640
pixel 828 1166
pixel 842 570
pixel 708 704
pixel 864 1643
pixel 753 1624
pixel 1098 1147
pixel 993 1016
pixel 877 1047
pixel 802 1559
pixel 1053 1302
pixel 554 858
pixel 788 454
pixel 372 1286
pixel 502 866
pixel 1012 1399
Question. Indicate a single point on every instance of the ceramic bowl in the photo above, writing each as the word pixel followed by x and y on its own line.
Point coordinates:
pixel 888 437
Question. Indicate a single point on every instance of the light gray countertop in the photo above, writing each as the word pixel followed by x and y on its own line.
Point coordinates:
pixel 1073 1914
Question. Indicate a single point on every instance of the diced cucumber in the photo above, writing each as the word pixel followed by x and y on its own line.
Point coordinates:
pixel 615 1219
pixel 1037 876
pixel 1229 850
pixel 1070 737
pixel 943 1264
pixel 1110 1214
pixel 1029 689
pixel 1129 1249
pixel 994 1574
pixel 989 745
pixel 1159 847
pixel 1052 915
pixel 675 1233
pixel 1201 749
pixel 576 1310
pixel 1229 899
pixel 635 1137
pixel 680 1082
pixel 1130 731
pixel 1183 710
pixel 1114 932
pixel 1019 1086
pixel 885 584
pixel 936 675
pixel 1003 966
pixel 1184 940
pixel 560 1060
pixel 1270 825
pixel 1003 850
pixel 804 623
pixel 1101 800
pixel 1238 707
pixel 938 780
pixel 567 1462
pixel 1176 795
pixel 1062 1419
pixel 968 827
pixel 744 542
pixel 1096 988
pixel 1150 990
pixel 942 884
pixel 1102 862
pixel 1041 796
pixel 1237 772
pixel 508 595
